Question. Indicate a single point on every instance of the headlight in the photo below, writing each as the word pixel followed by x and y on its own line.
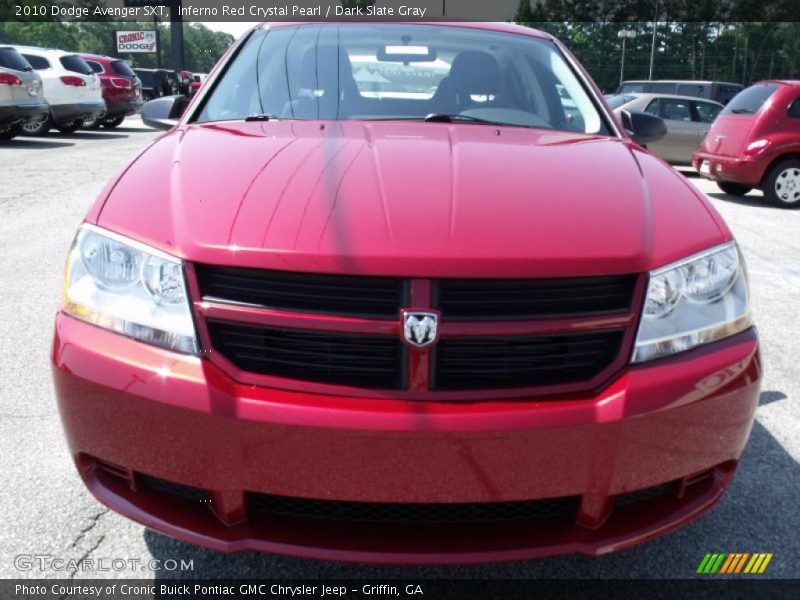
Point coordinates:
pixel 693 302
pixel 130 288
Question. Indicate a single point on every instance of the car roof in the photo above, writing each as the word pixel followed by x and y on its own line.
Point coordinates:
pixel 649 95
pixel 98 57
pixel 38 49
pixel 497 26
pixel 780 81
pixel 686 81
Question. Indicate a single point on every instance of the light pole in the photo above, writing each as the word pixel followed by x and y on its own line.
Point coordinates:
pixel 653 43
pixel 624 35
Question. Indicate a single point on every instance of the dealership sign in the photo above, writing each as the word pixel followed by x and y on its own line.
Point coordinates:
pixel 136 41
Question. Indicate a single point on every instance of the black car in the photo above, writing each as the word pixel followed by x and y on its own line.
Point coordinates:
pixel 157 83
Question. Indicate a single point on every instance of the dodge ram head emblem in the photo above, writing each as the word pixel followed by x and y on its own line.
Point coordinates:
pixel 420 329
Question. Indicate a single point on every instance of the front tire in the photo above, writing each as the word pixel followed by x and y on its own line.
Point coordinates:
pixel 70 127
pixel 782 185
pixel 37 127
pixel 734 189
pixel 10 133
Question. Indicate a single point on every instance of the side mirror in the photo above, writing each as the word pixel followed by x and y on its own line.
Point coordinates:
pixel 644 128
pixel 163 113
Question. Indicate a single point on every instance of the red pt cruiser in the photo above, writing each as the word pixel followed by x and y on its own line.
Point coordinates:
pixel 404 293
pixel 755 143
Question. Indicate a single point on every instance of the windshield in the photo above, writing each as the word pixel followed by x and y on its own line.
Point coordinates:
pixel 749 101
pixel 402 72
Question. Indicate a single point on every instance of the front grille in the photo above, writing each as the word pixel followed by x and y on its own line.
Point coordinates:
pixel 332 294
pixel 523 361
pixel 186 492
pixel 656 491
pixel 378 512
pixel 487 300
pixel 369 361
pixel 273 345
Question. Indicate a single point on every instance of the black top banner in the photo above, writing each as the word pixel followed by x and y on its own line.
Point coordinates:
pixel 405 10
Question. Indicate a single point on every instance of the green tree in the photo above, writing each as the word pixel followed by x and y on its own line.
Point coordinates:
pixel 48 34
pixel 524 14
pixel 202 47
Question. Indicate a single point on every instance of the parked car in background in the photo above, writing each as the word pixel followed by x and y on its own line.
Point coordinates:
pixel 150 87
pixel 387 323
pixel 719 91
pixel 70 87
pixel 21 99
pixel 173 81
pixel 755 143
pixel 122 90
pixel 687 120
pixel 157 83
pixel 197 82
pixel 185 79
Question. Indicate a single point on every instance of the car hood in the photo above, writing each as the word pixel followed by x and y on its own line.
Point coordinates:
pixel 408 199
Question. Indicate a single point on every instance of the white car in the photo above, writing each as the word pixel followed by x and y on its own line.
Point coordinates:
pixel 70 87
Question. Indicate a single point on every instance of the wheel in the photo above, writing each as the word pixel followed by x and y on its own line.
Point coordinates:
pixel 37 127
pixel 734 189
pixel 70 127
pixel 92 123
pixel 782 185
pixel 111 123
pixel 11 132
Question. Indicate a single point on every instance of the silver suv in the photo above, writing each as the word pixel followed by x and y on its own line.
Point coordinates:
pixel 21 98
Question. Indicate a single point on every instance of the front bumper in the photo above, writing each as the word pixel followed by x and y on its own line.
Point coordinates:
pixel 745 171
pixel 23 113
pixel 66 113
pixel 132 412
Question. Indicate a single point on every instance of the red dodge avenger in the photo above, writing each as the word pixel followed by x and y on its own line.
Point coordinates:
pixel 404 293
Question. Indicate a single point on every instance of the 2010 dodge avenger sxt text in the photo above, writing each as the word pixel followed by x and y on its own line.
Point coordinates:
pixel 404 293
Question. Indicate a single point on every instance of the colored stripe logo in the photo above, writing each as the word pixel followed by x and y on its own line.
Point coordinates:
pixel 734 562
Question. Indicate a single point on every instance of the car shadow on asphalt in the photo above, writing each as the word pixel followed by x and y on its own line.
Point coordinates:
pixel 87 135
pixel 753 201
pixel 758 514
pixel 687 172
pixel 37 143
pixel 127 130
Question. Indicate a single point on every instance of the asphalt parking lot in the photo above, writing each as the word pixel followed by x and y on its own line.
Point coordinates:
pixel 47 186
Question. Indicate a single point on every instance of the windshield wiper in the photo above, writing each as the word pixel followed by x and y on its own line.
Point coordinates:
pixel 444 118
pixel 261 117
pixel 742 111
